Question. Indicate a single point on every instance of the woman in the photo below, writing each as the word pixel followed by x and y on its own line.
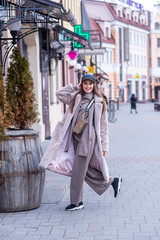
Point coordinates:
pixel 81 156
pixel 133 103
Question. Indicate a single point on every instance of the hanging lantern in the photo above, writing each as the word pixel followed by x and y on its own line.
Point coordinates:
pixel 72 63
pixel 85 69
pixel 78 66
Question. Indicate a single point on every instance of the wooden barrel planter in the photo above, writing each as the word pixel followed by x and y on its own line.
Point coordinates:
pixel 21 179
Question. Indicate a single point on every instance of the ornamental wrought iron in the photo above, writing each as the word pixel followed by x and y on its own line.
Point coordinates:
pixel 34 15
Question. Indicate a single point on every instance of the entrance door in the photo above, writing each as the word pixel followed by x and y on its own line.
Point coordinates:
pixel 157 93
pixel 137 90
pixel 129 90
pixel 121 94
pixel 45 95
pixel 143 90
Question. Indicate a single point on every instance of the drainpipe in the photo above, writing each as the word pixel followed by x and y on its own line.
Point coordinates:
pixel 63 68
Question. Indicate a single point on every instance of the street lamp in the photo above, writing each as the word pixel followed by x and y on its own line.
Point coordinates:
pixel 14 26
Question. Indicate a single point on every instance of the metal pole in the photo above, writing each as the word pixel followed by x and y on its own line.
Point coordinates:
pixel 111 111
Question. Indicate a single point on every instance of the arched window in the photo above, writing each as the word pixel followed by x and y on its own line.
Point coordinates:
pixel 157 25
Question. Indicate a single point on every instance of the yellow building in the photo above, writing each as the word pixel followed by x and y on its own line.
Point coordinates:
pixel 75 7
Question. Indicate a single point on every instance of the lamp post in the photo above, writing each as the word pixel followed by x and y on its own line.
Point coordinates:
pixel 14 27
pixel 6 43
pixel 2 18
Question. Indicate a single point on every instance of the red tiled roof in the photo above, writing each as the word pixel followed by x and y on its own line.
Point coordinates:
pixel 95 26
pixel 124 19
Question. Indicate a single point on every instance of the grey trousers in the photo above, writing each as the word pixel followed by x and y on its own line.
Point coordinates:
pixel 82 170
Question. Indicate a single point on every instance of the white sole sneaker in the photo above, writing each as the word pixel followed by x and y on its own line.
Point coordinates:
pixel 119 186
pixel 76 208
pixel 116 184
pixel 73 207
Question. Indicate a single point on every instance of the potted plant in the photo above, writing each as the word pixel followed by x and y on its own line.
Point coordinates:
pixel 21 180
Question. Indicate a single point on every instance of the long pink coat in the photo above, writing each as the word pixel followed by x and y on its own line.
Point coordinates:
pixel 55 159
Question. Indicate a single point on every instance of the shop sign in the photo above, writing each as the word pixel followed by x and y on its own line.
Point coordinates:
pixel 90 69
pixel 78 30
pixel 144 76
pixel 129 76
pixel 133 4
pixel 137 76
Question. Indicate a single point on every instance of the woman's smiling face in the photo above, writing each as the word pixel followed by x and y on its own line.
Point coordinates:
pixel 87 86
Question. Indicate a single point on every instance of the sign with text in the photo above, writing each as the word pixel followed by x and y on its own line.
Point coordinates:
pixel 133 4
pixel 129 76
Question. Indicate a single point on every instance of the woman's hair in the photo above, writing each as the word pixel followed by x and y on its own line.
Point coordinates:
pixel 82 93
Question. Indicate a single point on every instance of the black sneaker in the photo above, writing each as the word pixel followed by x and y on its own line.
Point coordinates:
pixel 116 184
pixel 73 207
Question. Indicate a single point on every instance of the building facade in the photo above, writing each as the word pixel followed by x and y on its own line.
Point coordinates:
pixel 130 30
pixel 155 53
pixel 46 50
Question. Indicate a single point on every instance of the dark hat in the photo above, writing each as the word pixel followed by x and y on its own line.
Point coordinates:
pixel 88 77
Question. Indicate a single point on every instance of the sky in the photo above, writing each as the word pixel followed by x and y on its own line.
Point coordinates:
pixel 148 4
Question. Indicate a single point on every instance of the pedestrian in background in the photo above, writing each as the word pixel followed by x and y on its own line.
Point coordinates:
pixel 79 151
pixel 133 103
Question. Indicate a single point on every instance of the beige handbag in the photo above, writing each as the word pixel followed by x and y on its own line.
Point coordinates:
pixel 82 123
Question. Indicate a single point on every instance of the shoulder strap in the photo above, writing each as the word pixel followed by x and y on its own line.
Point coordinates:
pixel 89 105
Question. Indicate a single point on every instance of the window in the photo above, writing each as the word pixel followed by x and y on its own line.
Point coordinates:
pixel 137 39
pixel 119 13
pixel 138 60
pixel 158 62
pixel 157 26
pixel 142 61
pixel 130 37
pixel 135 63
pixel 111 57
pixel 107 32
pixel 145 61
pixel 107 57
pixel 144 40
pixel 158 42
pixel 141 40
pixel 136 19
pixel 131 60
pixel 103 59
pixel 134 38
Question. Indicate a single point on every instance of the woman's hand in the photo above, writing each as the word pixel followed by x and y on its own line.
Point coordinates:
pixel 104 153
pixel 79 86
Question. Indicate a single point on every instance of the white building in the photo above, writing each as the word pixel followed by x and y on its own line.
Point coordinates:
pixel 129 28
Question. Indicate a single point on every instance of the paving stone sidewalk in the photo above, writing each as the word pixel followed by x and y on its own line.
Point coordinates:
pixel 134 215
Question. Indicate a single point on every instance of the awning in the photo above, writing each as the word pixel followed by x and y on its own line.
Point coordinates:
pixel 46 8
pixel 72 35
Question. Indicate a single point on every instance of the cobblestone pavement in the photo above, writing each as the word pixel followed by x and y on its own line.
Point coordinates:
pixel 135 214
